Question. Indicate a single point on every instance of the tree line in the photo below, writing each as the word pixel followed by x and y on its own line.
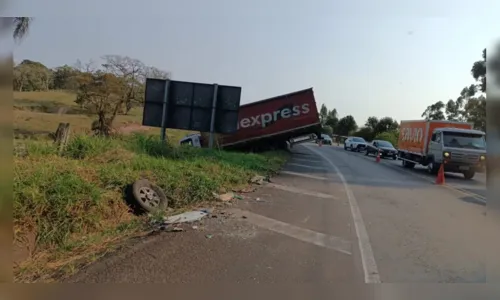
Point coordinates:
pixel 106 90
pixel 385 128
pixel 469 106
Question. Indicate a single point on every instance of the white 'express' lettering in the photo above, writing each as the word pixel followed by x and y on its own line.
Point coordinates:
pixel 412 135
pixel 266 118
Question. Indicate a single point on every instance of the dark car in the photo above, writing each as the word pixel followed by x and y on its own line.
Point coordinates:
pixel 386 149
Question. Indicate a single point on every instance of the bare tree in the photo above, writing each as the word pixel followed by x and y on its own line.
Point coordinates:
pixel 132 73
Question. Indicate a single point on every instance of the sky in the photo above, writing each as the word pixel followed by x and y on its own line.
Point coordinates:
pixel 363 58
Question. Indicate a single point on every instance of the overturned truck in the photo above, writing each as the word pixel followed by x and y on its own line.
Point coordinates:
pixel 275 123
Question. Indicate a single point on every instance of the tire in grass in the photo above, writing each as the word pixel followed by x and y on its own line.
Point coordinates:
pixel 149 196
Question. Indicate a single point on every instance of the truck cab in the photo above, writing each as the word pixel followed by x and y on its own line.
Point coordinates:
pixel 192 140
pixel 460 150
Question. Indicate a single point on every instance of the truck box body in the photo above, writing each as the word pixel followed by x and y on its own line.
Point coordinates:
pixel 414 136
pixel 278 118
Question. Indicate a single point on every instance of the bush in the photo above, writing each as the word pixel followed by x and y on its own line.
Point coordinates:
pixel 392 137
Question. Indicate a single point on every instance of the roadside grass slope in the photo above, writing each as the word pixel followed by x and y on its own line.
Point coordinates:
pixel 69 209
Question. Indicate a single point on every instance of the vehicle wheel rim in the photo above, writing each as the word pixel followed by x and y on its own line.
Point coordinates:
pixel 149 197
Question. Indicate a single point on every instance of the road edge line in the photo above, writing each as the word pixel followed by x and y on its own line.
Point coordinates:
pixel 367 258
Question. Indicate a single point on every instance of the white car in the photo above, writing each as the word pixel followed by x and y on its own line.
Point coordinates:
pixel 355 143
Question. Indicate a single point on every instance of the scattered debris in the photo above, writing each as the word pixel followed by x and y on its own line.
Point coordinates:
pixel 177 229
pixel 195 227
pixel 248 189
pixel 260 180
pixel 186 217
pixel 244 217
pixel 258 199
pixel 208 236
pixel 238 197
pixel 226 197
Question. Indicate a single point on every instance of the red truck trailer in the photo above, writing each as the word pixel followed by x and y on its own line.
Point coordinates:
pixel 271 123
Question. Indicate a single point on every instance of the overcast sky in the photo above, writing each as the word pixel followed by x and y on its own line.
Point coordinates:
pixel 364 58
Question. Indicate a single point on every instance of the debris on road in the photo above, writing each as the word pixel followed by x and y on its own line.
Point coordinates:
pixel 177 229
pixel 248 189
pixel 187 217
pixel 260 180
pixel 195 227
pixel 208 236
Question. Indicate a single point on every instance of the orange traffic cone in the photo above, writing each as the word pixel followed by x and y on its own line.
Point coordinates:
pixel 440 175
pixel 377 158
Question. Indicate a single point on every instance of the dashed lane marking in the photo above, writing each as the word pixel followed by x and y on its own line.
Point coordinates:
pixel 303 175
pixel 300 191
pixel 305 235
pixel 306 166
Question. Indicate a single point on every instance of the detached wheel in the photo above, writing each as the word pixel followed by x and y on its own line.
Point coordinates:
pixel 149 196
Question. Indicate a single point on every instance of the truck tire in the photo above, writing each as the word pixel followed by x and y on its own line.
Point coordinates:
pixel 469 174
pixel 408 165
pixel 433 168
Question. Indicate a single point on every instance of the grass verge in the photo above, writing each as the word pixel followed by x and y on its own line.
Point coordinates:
pixel 69 209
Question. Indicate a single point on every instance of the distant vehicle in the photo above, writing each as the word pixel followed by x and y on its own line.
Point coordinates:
pixel 432 143
pixel 355 143
pixel 326 140
pixel 386 149
pixel 274 123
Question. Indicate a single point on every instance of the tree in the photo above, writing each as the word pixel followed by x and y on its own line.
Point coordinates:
pixel 390 136
pixel 323 114
pixel 434 111
pixel 134 74
pixel 32 76
pixel 371 123
pixel 478 72
pixel 365 132
pixel 101 93
pixel 332 119
pixel 19 26
pixel 63 78
pixel 386 124
pixel 346 125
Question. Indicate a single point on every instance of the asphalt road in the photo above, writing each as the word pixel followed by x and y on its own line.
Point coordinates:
pixel 331 217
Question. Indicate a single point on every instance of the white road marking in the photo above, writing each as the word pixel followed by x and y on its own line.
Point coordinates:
pixel 305 235
pixel 303 175
pixel 367 258
pixel 305 166
pixel 300 191
pixel 306 160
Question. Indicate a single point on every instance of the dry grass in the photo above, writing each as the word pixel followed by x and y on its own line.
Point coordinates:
pixel 37 114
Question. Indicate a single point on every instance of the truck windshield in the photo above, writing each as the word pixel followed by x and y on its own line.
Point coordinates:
pixel 463 140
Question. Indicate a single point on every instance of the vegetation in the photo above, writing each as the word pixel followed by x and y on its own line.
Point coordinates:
pixel 72 205
pixel 470 106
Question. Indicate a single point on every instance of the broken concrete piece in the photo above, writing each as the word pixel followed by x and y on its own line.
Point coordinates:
pixel 260 180
pixel 226 197
pixel 186 217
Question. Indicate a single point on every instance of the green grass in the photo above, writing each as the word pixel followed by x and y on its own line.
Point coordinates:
pixel 74 205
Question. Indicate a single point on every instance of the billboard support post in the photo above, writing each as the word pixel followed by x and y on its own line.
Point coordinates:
pixel 212 119
pixel 164 111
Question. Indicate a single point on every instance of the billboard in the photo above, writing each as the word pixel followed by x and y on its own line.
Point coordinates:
pixel 191 106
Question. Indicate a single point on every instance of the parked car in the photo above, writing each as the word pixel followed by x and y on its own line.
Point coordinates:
pixel 386 149
pixel 326 140
pixel 355 143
